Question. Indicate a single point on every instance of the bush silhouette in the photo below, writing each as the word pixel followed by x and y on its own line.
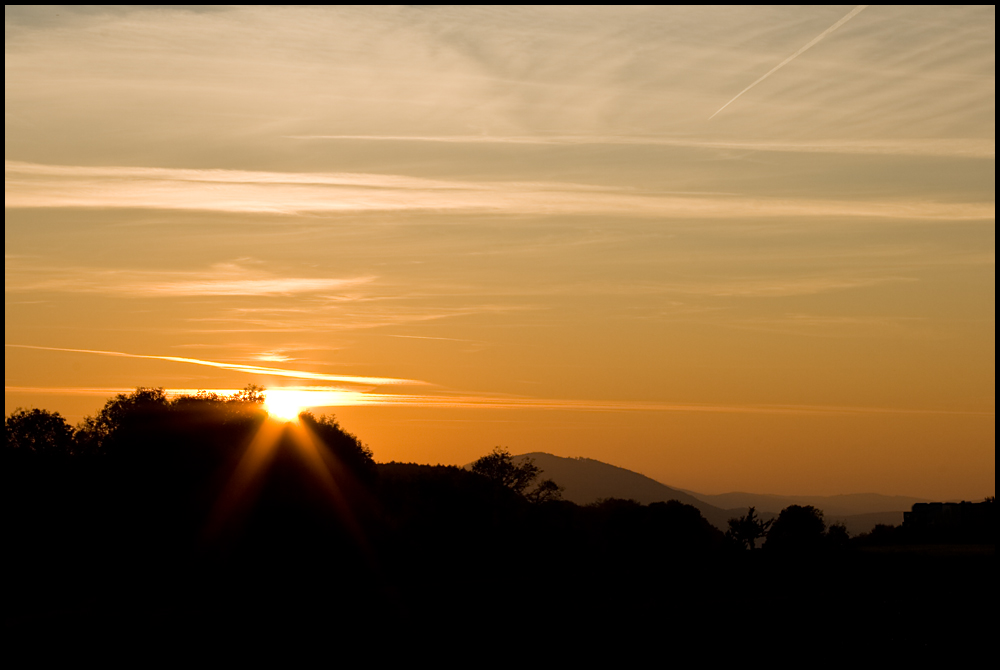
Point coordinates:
pixel 797 528
pixel 837 537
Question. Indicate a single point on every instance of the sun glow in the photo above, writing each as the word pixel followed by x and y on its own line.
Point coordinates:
pixel 286 405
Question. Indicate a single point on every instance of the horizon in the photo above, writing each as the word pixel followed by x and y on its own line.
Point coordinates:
pixel 733 250
pixel 285 413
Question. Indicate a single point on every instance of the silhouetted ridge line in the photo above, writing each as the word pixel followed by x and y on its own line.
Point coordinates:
pixel 586 480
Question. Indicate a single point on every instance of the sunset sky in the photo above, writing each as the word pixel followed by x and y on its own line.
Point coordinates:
pixel 733 249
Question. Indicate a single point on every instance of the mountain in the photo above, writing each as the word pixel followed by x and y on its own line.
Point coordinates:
pixel 585 480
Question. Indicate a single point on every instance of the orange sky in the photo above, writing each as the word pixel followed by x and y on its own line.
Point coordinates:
pixel 743 249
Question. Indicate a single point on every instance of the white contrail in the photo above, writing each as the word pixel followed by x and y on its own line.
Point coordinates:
pixel 850 15
pixel 236 367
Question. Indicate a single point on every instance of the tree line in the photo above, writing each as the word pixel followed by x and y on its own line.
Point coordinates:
pixel 187 500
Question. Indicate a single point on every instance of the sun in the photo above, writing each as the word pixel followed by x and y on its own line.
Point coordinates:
pixel 285 405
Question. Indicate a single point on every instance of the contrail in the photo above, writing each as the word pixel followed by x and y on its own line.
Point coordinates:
pixel 236 367
pixel 850 15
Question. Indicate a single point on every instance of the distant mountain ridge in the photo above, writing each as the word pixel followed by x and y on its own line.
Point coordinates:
pixel 585 480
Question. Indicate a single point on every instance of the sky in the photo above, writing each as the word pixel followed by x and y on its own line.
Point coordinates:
pixel 739 249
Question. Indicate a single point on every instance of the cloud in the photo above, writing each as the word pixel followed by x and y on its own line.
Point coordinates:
pixel 236 367
pixel 977 148
pixel 171 86
pixel 272 357
pixel 257 287
pixel 67 390
pixel 829 326
pixel 494 402
pixel 332 318
pixel 224 279
pixel 31 185
pixel 783 287
pixel 317 397
pixel 428 337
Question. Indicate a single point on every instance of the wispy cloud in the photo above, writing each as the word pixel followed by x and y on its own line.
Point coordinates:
pixel 785 286
pixel 982 148
pixel 66 390
pixel 322 397
pixel 105 392
pixel 31 185
pixel 272 357
pixel 236 367
pixel 850 15
pixel 428 337
pixel 270 286
pixel 830 326
pixel 488 402
pixel 409 71
pixel 223 279
pixel 331 318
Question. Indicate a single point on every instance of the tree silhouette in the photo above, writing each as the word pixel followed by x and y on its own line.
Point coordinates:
pixel 546 491
pixel 38 430
pixel 146 411
pixel 797 528
pixel 251 393
pixel 837 537
pixel 96 434
pixel 747 529
pixel 346 448
pixel 498 466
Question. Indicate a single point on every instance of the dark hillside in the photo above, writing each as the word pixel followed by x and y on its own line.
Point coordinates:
pixel 585 481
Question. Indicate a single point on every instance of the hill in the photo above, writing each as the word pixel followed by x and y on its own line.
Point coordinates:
pixel 585 480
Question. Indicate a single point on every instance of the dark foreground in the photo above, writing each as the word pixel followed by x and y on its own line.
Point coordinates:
pixel 174 526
